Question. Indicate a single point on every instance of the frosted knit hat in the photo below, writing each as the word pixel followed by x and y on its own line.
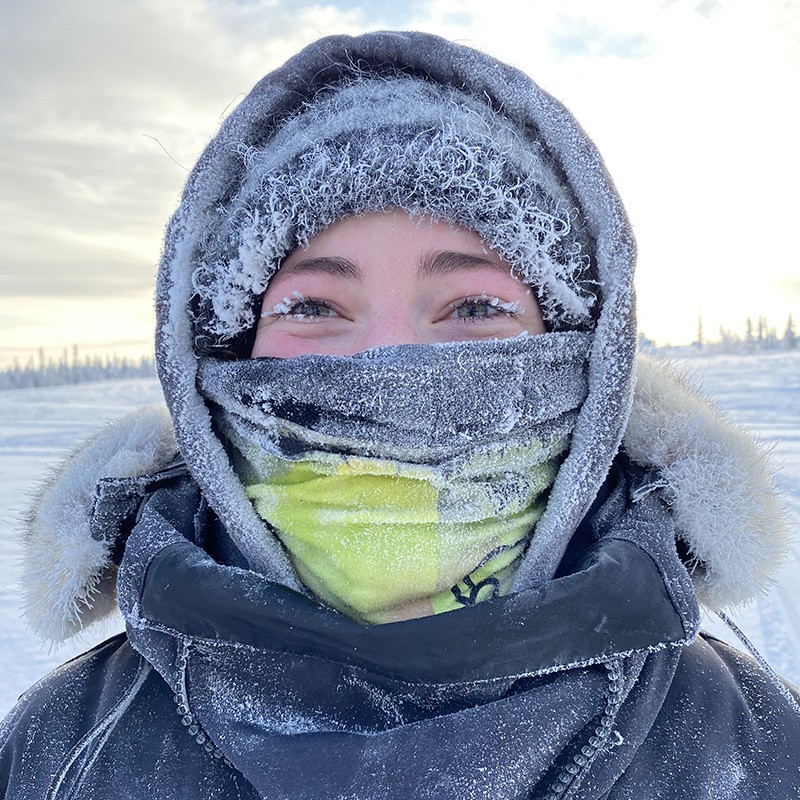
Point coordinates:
pixel 394 141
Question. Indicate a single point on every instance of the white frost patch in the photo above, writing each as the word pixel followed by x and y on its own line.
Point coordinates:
pixel 508 308
pixel 285 306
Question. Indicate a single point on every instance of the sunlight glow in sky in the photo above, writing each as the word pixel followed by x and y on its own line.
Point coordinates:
pixel 693 103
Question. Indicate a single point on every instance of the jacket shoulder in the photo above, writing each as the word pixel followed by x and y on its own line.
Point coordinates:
pixel 725 724
pixel 104 725
pixel 50 720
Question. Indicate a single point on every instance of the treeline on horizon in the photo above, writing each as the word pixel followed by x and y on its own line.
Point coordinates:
pixel 73 367
pixel 758 337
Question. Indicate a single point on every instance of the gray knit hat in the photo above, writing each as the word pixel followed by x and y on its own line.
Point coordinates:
pixel 395 141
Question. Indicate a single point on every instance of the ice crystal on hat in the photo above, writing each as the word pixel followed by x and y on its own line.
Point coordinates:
pixel 402 143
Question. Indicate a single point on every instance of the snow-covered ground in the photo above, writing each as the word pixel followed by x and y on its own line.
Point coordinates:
pixel 763 393
pixel 39 425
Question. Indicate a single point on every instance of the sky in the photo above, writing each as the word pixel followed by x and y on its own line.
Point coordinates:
pixel 104 106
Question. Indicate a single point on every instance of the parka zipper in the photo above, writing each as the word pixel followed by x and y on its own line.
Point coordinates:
pixel 181 698
pixel 571 776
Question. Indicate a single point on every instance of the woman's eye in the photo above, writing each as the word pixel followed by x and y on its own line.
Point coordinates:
pixel 311 308
pixel 300 307
pixel 483 307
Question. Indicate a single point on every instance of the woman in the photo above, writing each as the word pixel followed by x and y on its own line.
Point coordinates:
pixel 395 545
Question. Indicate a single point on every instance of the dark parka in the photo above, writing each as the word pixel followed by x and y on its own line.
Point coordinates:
pixel 589 680
pixel 230 686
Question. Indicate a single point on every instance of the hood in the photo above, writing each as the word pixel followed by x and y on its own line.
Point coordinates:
pixel 250 136
pixel 717 481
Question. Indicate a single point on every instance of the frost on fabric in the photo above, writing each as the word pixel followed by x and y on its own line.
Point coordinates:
pixel 478 428
pixel 376 144
pixel 480 425
pixel 375 732
pixel 425 401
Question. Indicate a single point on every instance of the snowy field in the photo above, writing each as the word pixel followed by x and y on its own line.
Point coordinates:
pixel 39 425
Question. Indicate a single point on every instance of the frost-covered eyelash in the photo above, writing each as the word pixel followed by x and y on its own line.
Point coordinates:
pixel 288 306
pixel 285 306
pixel 511 309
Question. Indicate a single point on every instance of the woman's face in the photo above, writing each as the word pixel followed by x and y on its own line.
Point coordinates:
pixel 385 279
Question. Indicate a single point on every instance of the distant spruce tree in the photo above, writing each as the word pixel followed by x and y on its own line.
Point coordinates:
pixel 700 338
pixel 749 339
pixel 789 340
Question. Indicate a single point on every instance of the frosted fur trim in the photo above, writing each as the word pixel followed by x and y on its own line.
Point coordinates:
pixel 401 142
pixel 68 578
pixel 721 488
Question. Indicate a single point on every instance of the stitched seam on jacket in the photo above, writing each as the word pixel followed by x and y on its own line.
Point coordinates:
pixel 94 741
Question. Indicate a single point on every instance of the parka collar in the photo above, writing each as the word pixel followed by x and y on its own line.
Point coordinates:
pixel 267 678
pixel 621 598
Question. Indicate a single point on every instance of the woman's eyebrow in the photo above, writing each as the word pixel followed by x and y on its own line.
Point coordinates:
pixel 326 265
pixel 446 262
pixel 434 263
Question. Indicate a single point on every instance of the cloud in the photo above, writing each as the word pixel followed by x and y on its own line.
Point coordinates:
pixel 707 7
pixel 92 93
pixel 101 275
pixel 580 37
pixel 690 101
pixel 381 13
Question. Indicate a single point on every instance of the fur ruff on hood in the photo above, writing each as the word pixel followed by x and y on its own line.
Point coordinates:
pixel 716 478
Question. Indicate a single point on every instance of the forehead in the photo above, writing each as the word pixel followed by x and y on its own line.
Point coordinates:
pixel 354 246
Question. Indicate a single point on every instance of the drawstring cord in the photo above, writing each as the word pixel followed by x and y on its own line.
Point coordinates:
pixel 771 674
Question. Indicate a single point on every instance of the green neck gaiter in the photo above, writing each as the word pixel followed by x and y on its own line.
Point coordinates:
pixel 409 484
pixel 382 540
